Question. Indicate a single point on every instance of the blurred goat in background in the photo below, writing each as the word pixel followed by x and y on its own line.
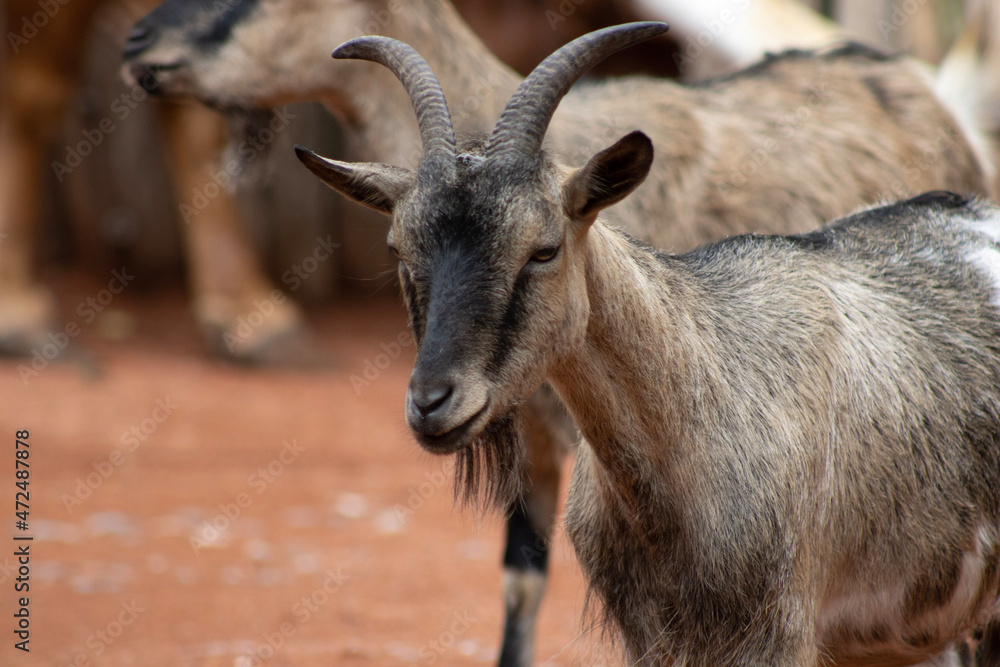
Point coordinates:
pixel 87 168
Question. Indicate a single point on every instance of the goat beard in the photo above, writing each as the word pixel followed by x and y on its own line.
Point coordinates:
pixel 490 471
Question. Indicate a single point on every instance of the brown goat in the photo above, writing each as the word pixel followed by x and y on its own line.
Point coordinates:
pixel 39 65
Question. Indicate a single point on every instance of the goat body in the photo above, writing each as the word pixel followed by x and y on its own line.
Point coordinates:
pixel 780 147
pixel 791 442
pixel 38 75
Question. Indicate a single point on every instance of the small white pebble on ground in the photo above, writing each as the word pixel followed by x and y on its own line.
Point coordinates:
pixel 351 505
pixel 257 550
pixel 389 521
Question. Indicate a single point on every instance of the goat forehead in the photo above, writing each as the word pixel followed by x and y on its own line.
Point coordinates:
pixel 483 212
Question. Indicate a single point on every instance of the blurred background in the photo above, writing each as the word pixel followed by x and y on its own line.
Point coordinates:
pixel 218 479
pixel 124 206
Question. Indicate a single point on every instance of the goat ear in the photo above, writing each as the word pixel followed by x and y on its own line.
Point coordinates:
pixel 608 177
pixel 376 186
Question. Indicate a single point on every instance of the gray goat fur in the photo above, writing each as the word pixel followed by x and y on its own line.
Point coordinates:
pixel 792 443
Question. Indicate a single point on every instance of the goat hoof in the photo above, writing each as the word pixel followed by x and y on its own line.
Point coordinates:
pixel 295 347
pixel 259 332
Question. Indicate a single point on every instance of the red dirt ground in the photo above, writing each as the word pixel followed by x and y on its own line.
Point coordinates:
pixel 319 560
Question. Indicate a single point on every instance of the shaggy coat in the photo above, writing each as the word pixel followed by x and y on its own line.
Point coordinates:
pixel 791 443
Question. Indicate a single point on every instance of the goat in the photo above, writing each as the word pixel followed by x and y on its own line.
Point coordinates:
pixel 781 147
pixel 792 443
pixel 37 79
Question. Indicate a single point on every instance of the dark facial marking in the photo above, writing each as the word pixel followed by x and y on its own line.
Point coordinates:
pixel 511 325
pixel 227 14
pixel 417 316
pixel 210 22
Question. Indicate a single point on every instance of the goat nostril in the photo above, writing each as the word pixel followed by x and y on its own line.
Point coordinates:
pixel 431 400
pixel 139 39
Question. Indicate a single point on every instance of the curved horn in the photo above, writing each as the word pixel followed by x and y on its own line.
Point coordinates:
pixel 524 120
pixel 433 119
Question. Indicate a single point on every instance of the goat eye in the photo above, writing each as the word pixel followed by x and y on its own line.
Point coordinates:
pixel 545 254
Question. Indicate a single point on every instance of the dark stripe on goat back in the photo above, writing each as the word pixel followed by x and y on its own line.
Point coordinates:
pixel 526 548
pixel 893 215
pixel 851 49
pixel 864 236
pixel 938 199
pixel 771 60
pixel 898 216
pixel 817 240
pixel 879 92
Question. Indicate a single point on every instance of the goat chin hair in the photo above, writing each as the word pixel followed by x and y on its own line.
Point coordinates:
pixel 490 471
